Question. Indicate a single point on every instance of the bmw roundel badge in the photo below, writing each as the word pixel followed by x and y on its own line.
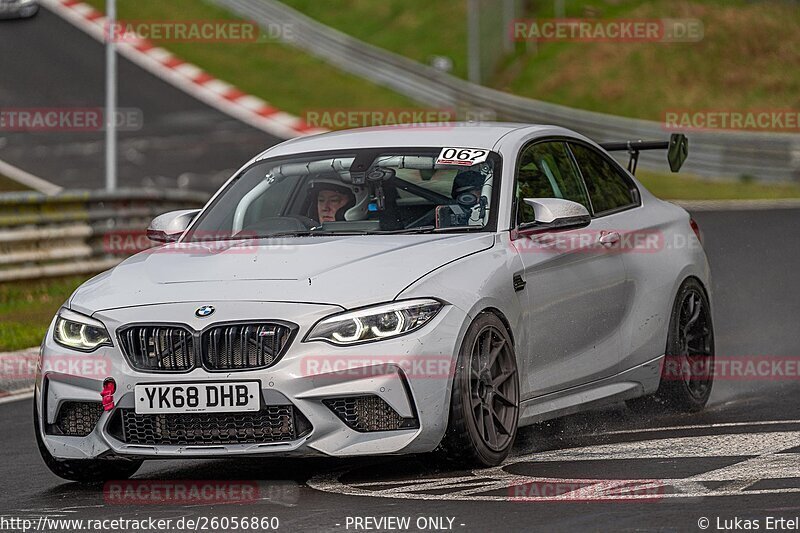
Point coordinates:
pixel 206 310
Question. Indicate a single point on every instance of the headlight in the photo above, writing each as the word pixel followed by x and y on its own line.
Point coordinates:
pixel 375 323
pixel 79 332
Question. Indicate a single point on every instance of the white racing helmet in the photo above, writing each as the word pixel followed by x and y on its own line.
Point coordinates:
pixel 357 208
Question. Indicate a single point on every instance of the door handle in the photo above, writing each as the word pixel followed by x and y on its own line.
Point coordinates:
pixel 609 239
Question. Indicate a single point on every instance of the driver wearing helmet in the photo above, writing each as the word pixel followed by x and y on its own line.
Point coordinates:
pixel 330 200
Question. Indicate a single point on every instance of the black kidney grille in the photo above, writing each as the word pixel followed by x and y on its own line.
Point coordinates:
pixel 159 348
pixel 243 346
pixel 275 423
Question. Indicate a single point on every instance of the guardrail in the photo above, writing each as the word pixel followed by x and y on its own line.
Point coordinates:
pixel 74 232
pixel 765 156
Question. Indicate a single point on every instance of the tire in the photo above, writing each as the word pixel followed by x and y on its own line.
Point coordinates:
pixel 84 470
pixel 469 441
pixel 687 373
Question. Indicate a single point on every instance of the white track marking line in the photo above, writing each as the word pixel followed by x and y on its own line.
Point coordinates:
pixel 777 465
pixel 695 426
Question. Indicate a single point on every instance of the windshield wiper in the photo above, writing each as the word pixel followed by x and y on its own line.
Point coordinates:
pixel 459 229
pixel 420 229
pixel 304 233
pixel 427 229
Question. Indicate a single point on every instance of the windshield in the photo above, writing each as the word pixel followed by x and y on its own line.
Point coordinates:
pixel 358 192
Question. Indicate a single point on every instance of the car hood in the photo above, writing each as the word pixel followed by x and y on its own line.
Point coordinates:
pixel 348 271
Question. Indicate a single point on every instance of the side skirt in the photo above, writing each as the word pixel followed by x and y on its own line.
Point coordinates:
pixel 632 383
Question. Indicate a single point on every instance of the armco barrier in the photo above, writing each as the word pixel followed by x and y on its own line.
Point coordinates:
pixel 66 233
pixel 766 156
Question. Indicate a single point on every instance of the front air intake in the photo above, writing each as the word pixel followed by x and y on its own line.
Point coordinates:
pixel 274 423
pixel 77 419
pixel 369 413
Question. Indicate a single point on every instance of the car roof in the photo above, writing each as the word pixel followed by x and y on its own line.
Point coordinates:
pixel 460 134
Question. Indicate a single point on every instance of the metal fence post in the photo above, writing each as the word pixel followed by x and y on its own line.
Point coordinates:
pixel 474 41
pixel 111 97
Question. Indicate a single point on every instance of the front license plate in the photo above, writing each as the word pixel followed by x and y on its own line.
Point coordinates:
pixel 229 397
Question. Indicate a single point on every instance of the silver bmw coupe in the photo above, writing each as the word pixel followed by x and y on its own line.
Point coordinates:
pixel 384 291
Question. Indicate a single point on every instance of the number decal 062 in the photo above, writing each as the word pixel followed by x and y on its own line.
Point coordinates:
pixel 461 156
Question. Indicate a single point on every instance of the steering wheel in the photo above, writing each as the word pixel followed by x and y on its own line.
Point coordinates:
pixel 305 221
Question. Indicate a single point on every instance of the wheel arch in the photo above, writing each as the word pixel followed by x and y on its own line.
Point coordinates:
pixel 703 286
pixel 499 314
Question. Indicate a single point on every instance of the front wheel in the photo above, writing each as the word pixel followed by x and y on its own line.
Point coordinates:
pixel 687 373
pixel 84 470
pixel 484 407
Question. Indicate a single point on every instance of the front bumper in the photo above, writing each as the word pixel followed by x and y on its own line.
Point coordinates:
pixel 412 374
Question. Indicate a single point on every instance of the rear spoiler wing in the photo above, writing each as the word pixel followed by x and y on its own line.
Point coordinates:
pixel 677 150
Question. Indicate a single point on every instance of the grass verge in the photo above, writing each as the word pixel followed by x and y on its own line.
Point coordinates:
pixel 26 309
pixel 419 29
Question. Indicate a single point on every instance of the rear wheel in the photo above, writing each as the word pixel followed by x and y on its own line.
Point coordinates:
pixel 484 407
pixel 687 374
pixel 84 470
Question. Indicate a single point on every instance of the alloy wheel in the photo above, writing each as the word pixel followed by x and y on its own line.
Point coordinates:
pixel 494 391
pixel 695 344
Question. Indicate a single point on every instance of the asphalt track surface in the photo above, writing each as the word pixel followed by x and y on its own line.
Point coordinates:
pixel 45 62
pixel 737 459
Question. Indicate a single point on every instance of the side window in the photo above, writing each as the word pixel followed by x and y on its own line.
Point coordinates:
pixel 546 170
pixel 608 188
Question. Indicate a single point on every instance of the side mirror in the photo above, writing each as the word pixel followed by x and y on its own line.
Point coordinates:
pixel 169 226
pixel 678 151
pixel 556 214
